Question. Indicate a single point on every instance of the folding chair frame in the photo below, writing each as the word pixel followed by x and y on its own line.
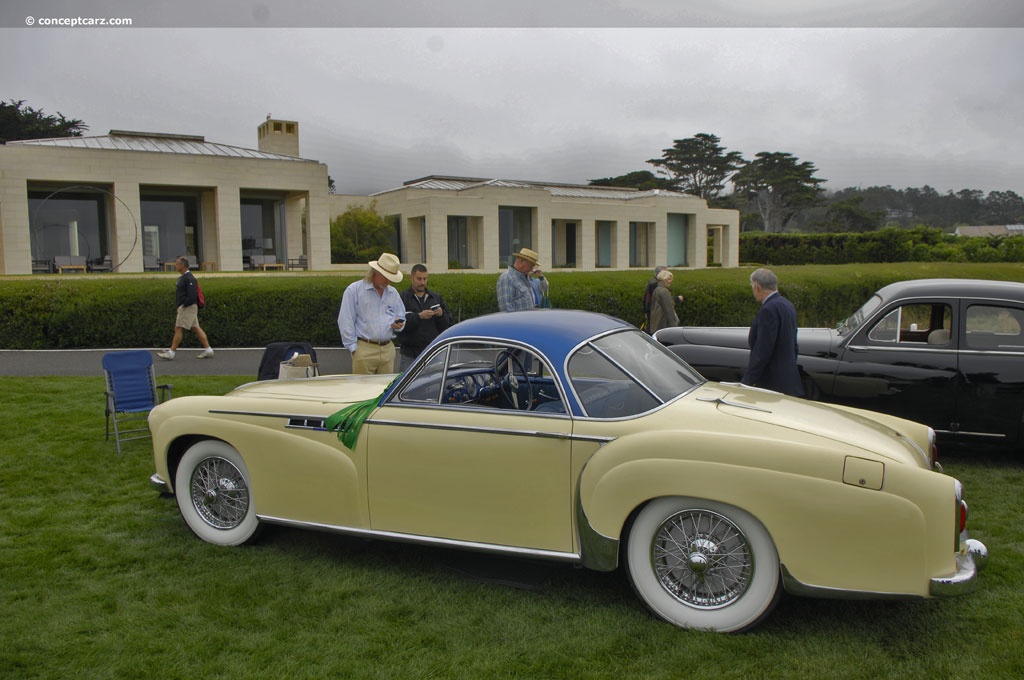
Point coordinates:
pixel 120 416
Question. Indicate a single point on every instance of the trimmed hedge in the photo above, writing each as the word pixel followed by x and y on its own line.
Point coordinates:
pixel 250 310
pixel 920 244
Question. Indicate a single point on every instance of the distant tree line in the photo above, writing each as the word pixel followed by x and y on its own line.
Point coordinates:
pixel 776 192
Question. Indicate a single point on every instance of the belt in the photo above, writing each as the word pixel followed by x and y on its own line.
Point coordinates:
pixel 375 342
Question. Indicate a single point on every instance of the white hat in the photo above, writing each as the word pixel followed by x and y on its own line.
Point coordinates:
pixel 388 266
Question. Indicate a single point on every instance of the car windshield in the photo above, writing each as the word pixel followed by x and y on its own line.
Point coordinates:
pixel 627 373
pixel 854 321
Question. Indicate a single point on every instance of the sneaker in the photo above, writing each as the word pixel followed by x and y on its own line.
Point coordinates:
pixel 205 354
pixel 169 355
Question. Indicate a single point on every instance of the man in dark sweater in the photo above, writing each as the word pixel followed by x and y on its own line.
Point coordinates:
pixel 772 339
pixel 186 299
pixel 426 315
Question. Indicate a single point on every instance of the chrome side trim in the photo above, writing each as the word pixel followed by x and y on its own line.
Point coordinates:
pixel 921 347
pixel 598 552
pixel 265 414
pixel 795 587
pixel 990 435
pixel 490 430
pixel 426 540
pixel 924 456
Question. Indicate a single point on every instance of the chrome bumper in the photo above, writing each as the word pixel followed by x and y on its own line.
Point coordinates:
pixel 157 483
pixel 969 561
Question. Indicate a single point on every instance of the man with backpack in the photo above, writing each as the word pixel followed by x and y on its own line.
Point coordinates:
pixel 187 297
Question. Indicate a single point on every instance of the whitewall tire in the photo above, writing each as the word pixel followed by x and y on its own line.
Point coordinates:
pixel 214 495
pixel 702 564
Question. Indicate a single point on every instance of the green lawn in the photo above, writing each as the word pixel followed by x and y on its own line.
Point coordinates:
pixel 100 578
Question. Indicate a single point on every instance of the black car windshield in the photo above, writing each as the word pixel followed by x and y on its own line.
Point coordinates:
pixel 855 320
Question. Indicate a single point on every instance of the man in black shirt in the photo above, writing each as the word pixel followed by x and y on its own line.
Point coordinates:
pixel 426 315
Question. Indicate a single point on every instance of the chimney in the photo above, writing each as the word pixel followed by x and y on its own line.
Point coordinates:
pixel 279 136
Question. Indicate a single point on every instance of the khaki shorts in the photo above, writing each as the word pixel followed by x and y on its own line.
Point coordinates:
pixel 188 317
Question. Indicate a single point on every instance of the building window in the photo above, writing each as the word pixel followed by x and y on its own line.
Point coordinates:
pixel 678 235
pixel 170 227
pixel 458 242
pixel 564 239
pixel 262 229
pixel 641 243
pixel 605 243
pixel 68 223
pixel 515 231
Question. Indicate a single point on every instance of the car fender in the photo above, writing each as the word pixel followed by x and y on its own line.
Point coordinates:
pixel 278 463
pixel 828 533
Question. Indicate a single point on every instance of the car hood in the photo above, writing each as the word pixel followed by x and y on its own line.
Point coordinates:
pixel 812 341
pixel 847 427
pixel 332 389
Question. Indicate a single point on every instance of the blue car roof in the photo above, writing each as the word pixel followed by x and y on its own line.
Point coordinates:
pixel 553 331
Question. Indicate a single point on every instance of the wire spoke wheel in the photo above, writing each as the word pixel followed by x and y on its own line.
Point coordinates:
pixel 214 494
pixel 220 493
pixel 703 564
pixel 702 559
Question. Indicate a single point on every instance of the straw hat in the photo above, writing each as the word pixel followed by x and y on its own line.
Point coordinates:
pixel 528 255
pixel 388 266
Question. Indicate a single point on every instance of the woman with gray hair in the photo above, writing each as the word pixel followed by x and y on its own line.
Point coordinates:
pixel 663 308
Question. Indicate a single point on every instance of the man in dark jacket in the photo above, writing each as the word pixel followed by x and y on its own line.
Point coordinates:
pixel 426 315
pixel 772 339
pixel 186 298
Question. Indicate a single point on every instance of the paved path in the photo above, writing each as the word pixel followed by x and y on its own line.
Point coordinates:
pixel 227 361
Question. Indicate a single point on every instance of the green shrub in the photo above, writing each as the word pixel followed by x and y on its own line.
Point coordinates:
pixel 246 310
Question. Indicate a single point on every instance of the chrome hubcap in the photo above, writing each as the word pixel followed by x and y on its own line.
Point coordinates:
pixel 702 559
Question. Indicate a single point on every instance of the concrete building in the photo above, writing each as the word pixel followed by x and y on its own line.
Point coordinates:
pixel 473 223
pixel 132 201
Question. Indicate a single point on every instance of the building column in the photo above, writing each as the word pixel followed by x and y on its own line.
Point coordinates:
pixel 620 254
pixel 227 208
pixel 295 203
pixel 586 247
pixel 490 250
pixel 15 227
pixel 318 227
pixel 126 227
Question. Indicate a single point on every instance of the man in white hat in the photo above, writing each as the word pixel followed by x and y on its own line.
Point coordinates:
pixel 515 293
pixel 371 313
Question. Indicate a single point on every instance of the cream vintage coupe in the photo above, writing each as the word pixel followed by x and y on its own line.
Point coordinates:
pixel 572 436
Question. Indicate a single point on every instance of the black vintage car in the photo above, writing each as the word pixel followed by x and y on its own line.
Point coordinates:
pixel 945 352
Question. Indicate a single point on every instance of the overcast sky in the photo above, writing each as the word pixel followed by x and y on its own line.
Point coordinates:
pixel 935 105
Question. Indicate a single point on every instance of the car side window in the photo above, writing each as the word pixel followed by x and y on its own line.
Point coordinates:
pixel 485 375
pixel 991 327
pixel 425 387
pixel 915 324
pixel 604 389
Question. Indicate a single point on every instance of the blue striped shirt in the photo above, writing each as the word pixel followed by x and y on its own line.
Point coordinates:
pixel 367 314
pixel 514 291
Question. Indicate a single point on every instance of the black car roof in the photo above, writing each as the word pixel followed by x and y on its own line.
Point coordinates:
pixel 956 288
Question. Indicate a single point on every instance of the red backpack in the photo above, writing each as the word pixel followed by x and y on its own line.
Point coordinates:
pixel 200 300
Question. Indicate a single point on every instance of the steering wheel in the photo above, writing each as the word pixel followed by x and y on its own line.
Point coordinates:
pixel 509 365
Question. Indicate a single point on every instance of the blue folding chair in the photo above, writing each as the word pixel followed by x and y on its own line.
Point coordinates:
pixel 132 393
